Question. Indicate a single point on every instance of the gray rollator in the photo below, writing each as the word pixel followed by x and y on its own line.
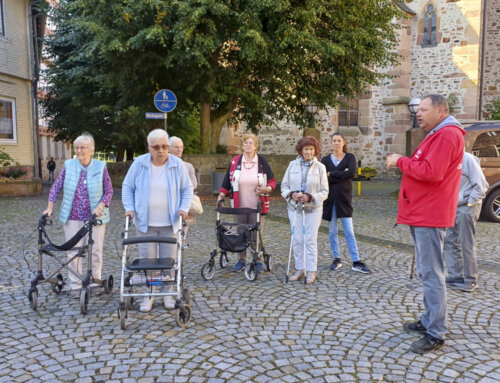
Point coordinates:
pixel 153 273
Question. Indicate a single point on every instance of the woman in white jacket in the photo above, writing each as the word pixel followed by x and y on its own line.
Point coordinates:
pixel 305 185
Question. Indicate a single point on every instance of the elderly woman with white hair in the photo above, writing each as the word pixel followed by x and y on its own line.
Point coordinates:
pixel 176 147
pixel 87 190
pixel 155 192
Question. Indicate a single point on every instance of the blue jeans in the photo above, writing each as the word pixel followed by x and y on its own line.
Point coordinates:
pixel 352 246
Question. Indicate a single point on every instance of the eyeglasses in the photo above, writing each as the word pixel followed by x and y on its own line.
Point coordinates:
pixel 177 147
pixel 158 147
pixel 248 143
pixel 80 147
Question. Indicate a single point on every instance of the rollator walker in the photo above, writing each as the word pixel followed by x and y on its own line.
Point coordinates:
pixel 47 248
pixel 153 273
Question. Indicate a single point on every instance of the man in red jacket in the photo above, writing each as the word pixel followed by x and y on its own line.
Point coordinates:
pixel 428 203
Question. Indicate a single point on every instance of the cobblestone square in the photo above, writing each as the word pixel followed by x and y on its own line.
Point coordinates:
pixel 345 327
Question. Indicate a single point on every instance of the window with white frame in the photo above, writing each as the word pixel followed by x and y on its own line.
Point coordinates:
pixel 2 20
pixel 7 120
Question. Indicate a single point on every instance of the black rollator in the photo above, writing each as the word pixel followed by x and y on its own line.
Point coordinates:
pixel 47 248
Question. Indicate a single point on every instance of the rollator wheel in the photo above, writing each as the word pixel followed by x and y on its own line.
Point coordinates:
pixel 33 298
pixel 108 284
pixel 208 271
pixel 186 295
pixel 223 260
pixel 123 315
pixel 268 260
pixel 251 272
pixel 84 300
pixel 183 316
pixel 57 288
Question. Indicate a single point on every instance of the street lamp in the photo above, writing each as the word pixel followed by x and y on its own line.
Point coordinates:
pixel 413 108
pixel 312 109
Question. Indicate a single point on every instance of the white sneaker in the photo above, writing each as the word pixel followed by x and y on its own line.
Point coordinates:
pixel 169 302
pixel 311 277
pixel 298 275
pixel 146 305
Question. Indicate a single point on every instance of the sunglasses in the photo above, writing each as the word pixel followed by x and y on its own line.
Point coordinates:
pixel 158 147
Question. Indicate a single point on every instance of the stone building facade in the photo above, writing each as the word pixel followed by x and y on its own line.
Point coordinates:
pixel 450 47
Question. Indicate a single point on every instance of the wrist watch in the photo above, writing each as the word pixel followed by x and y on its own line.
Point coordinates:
pixel 470 204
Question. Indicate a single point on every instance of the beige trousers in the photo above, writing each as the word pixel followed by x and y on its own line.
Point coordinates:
pixel 70 229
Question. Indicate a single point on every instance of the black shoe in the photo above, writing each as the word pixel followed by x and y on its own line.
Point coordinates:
pixel 427 344
pixel 336 264
pixel 360 267
pixel 415 326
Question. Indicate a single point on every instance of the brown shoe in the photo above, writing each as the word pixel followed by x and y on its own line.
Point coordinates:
pixel 311 277
pixel 298 275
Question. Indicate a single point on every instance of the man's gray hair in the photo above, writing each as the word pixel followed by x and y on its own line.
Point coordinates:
pixel 437 100
pixel 155 134
pixel 174 140
pixel 86 139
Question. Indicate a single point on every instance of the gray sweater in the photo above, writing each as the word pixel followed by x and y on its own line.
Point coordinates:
pixel 473 185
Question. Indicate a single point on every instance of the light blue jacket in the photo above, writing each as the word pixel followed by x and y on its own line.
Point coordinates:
pixel 73 168
pixel 135 190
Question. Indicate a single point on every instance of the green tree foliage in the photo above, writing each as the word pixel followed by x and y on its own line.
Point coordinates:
pixel 256 61
pixel 493 110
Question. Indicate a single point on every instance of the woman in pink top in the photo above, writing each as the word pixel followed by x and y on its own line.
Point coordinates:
pixel 248 179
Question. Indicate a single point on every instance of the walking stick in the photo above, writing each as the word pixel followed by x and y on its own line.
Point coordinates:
pixel 412 266
pixel 291 244
pixel 304 241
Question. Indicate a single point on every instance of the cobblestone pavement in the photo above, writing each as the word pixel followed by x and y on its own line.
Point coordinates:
pixel 344 328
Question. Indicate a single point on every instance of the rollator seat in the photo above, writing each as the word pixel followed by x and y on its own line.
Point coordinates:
pixel 52 247
pixel 152 264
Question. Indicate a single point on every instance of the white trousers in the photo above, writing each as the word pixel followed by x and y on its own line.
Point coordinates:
pixel 70 229
pixel 312 222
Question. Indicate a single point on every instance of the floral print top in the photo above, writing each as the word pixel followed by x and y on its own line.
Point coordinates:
pixel 81 203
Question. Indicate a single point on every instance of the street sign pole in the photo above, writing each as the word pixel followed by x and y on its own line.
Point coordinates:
pixel 166 114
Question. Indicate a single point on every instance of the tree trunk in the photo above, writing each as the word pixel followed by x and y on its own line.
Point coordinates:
pixel 120 153
pixel 206 129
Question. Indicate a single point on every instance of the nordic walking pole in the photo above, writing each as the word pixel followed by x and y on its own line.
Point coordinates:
pixel 291 244
pixel 304 241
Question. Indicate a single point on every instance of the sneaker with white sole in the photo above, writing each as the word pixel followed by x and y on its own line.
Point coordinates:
pixel 146 305
pixel 360 267
pixel 310 277
pixel 298 275
pixel 168 302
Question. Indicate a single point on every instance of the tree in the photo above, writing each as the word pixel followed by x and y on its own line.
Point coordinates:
pixel 256 61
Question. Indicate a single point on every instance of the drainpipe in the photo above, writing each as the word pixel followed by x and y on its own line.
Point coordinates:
pixel 483 43
pixel 34 88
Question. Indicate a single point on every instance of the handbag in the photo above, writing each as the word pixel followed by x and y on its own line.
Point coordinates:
pixel 196 208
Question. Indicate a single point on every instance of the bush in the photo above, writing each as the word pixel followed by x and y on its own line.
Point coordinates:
pixel 6 160
pixel 366 174
pixel 493 110
pixel 13 173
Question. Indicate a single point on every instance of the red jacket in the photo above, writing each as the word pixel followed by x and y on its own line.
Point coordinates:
pixel 431 179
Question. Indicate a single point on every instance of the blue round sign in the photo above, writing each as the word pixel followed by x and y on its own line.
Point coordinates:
pixel 165 100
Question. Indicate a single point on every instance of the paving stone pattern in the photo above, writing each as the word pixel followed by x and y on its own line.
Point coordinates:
pixel 344 328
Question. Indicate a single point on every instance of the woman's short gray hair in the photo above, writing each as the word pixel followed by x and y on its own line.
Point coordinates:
pixel 87 139
pixel 155 134
pixel 174 140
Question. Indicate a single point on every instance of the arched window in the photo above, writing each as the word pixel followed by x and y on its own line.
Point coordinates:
pixel 430 25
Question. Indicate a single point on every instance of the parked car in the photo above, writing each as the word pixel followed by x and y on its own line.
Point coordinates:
pixel 483 140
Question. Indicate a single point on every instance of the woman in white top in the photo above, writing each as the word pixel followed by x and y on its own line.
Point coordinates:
pixel 305 185
pixel 155 192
